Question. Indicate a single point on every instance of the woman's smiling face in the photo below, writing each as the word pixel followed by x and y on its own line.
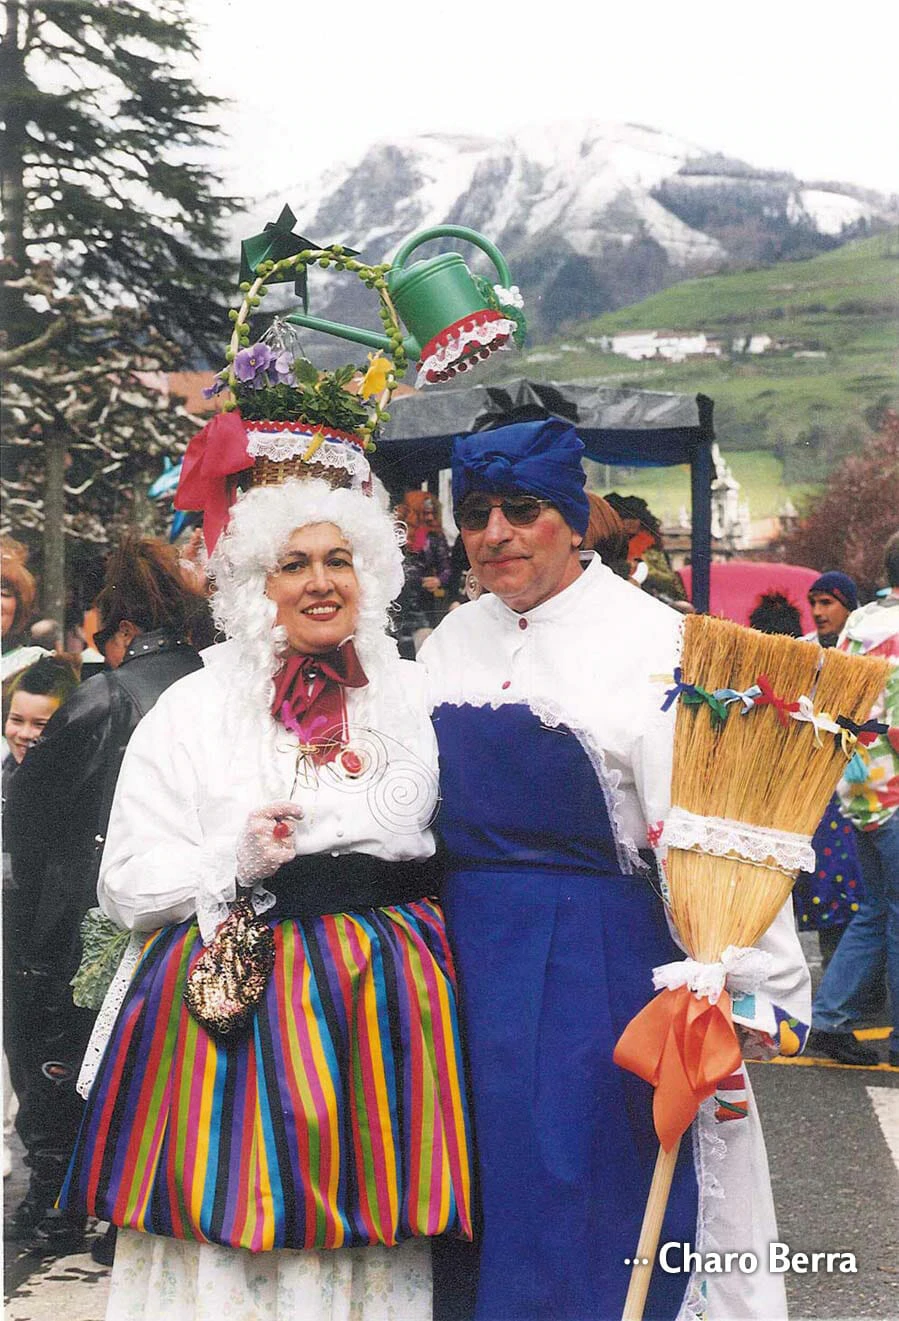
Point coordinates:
pixel 315 589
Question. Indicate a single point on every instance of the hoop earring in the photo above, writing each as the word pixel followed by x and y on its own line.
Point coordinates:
pixel 471 586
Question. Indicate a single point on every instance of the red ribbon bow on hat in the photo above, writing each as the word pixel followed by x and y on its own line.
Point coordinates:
pixel 309 698
pixel 214 456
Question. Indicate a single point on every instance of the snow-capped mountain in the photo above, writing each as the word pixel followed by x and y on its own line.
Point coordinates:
pixel 589 216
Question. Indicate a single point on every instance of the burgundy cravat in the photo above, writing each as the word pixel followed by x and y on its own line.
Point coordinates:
pixel 309 698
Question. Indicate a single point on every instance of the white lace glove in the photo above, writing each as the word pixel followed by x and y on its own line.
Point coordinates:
pixel 267 842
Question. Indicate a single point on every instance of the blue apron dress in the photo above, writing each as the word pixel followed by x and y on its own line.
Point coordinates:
pixel 554 947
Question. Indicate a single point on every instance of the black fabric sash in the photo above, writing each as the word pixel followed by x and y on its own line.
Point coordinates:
pixel 319 883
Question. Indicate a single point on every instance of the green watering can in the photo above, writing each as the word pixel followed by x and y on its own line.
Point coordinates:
pixel 431 298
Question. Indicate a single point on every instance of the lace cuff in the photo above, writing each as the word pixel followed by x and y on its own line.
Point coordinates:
pixel 216 887
pixel 721 836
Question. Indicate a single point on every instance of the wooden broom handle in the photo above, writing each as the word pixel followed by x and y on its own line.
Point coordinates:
pixel 650 1231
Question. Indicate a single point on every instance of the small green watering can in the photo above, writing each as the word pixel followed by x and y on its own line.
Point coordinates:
pixel 452 317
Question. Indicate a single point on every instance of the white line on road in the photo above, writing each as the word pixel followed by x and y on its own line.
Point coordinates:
pixel 885 1101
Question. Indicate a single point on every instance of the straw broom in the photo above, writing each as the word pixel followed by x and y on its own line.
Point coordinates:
pixel 766 768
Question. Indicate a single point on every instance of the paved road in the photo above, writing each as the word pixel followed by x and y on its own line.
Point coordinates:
pixel 835 1181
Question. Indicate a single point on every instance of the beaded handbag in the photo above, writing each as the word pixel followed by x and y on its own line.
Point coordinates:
pixel 229 977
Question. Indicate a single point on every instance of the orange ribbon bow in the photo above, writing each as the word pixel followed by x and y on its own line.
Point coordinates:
pixel 683 1045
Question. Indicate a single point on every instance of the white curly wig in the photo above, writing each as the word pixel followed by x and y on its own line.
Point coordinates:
pixel 260 526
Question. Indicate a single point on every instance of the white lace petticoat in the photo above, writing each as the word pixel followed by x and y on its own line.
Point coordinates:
pixel 164 1277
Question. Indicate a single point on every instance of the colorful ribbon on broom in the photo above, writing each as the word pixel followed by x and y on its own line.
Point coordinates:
pixel 692 695
pixel 852 738
pixel 683 1042
pixel 782 707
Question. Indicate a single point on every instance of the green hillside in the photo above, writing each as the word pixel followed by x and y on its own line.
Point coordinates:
pixel 792 417
pixel 667 490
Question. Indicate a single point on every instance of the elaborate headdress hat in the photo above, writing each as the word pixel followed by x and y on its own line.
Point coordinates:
pixel 285 418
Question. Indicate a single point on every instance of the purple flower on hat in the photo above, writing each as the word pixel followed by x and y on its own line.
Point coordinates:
pixel 250 365
pixel 280 370
pixel 218 385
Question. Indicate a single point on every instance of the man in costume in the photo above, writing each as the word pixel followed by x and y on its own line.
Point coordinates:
pixel 555 768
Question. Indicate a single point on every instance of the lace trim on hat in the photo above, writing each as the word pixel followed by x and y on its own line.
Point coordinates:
pixel 722 836
pixel 441 357
pixel 334 451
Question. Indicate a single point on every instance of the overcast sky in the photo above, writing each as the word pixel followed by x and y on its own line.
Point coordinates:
pixel 784 84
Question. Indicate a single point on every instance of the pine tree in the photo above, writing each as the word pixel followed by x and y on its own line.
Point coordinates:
pixel 103 128
pixel 112 226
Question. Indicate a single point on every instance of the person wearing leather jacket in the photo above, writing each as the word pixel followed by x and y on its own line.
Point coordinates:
pixel 54 822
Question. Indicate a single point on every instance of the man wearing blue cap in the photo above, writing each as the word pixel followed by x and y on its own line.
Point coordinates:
pixel 555 774
pixel 832 599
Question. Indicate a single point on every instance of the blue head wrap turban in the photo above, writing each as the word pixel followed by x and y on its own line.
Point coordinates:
pixel 541 458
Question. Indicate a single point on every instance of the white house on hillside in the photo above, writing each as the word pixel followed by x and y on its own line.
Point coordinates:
pixel 672 345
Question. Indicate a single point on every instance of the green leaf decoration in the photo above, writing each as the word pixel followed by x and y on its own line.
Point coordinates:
pixel 318 398
pixel 488 293
pixel 304 372
pixel 103 944
pixel 485 289
pixel 276 242
pixel 519 334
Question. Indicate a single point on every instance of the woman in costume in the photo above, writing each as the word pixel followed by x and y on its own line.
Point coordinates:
pixel 297 1166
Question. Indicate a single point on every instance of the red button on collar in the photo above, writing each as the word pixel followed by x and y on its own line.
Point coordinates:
pixel 507 684
pixel 522 623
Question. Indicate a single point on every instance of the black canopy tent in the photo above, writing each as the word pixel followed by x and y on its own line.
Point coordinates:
pixel 631 428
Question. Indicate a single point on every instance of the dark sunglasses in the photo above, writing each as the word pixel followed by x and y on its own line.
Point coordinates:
pixel 519 510
pixel 103 635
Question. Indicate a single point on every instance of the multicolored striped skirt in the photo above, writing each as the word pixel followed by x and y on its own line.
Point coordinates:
pixel 338 1120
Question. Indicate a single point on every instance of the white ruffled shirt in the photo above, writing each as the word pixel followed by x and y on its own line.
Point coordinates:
pixel 196 767
pixel 599 655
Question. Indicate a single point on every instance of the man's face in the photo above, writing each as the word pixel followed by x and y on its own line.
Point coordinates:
pixel 828 613
pixel 523 566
